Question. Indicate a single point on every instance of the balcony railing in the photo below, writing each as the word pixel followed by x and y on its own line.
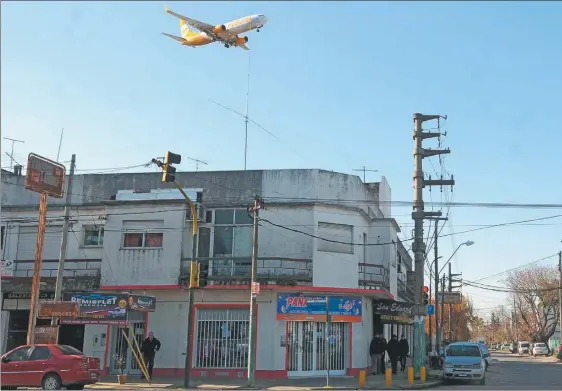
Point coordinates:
pixel 405 291
pixel 373 276
pixel 82 275
pixel 237 270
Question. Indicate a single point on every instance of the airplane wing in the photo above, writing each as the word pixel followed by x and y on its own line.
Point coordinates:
pixel 179 39
pixel 204 27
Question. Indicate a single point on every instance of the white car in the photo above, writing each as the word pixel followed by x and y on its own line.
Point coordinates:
pixel 540 349
pixel 464 361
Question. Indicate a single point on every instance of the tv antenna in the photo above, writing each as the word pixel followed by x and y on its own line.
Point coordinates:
pixel 197 161
pixel 246 118
pixel 364 170
pixel 13 140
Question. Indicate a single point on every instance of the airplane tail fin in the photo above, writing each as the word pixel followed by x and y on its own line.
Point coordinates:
pixel 185 30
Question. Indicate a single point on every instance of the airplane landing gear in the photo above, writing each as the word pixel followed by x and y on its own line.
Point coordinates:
pixel 226 45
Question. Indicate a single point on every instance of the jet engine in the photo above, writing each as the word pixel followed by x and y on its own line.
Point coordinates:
pixel 219 28
pixel 241 40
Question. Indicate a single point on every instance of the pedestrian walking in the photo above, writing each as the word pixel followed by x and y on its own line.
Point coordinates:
pixel 404 351
pixel 393 350
pixel 148 349
pixel 376 350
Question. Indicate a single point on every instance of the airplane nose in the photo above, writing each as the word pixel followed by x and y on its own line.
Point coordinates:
pixel 264 19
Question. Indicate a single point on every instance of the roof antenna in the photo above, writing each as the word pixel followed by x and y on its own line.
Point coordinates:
pixel 60 143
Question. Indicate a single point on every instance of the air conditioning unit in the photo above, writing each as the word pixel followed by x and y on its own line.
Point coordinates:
pixel 201 214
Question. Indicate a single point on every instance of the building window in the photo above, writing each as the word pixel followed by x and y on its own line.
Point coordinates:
pixel 339 238
pixel 2 235
pixel 143 239
pixel 221 338
pixel 232 238
pixel 93 235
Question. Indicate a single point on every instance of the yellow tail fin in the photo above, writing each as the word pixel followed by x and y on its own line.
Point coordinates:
pixel 185 31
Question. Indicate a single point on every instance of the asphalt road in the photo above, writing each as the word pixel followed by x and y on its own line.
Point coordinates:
pixel 509 371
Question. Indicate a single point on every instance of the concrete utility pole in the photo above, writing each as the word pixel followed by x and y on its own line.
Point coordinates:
pixel 436 277
pixel 418 215
pixel 443 303
pixel 62 254
pixel 254 287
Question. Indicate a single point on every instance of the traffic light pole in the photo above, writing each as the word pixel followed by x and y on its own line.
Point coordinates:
pixel 193 275
pixel 168 176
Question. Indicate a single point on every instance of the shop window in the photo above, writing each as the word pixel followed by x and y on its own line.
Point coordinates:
pixel 221 338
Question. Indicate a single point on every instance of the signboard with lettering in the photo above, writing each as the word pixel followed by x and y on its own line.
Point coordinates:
pixel 6 269
pixel 142 303
pixel 450 297
pixel 313 308
pixel 59 309
pixel 46 335
pixel 45 176
pixel 391 311
pixel 98 308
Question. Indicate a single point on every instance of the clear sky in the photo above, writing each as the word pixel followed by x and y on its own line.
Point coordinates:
pixel 336 82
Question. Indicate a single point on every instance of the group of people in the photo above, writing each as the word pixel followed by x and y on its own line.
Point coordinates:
pixel 397 351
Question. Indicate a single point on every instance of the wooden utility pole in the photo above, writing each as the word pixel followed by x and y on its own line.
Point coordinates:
pixel 254 290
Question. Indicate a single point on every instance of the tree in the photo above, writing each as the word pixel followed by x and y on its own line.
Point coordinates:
pixel 535 296
pixel 463 317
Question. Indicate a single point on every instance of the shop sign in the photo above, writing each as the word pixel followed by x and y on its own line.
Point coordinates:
pixel 27 295
pixel 6 269
pixel 59 309
pixel 142 303
pixel 392 311
pixel 313 308
pixel 46 335
pixel 98 308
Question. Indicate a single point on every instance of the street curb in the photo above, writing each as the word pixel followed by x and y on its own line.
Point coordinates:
pixel 421 386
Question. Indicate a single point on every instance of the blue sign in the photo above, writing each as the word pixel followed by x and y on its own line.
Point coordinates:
pixel 430 309
pixel 313 308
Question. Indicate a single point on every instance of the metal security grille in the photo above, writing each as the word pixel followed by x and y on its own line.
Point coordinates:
pixel 122 357
pixel 221 338
pixel 311 349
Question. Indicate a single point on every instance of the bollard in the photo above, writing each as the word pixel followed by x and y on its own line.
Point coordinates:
pixel 362 378
pixel 388 377
pixel 410 375
pixel 422 374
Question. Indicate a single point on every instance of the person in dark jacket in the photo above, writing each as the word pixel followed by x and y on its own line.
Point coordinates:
pixel 148 349
pixel 383 359
pixel 393 350
pixel 376 350
pixel 404 351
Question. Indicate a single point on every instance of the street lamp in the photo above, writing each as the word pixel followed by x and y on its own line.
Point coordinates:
pixel 467 244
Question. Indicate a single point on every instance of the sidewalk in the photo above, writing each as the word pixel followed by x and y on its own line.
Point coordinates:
pixel 399 382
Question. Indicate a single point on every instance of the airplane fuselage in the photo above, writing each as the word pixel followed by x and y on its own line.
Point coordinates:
pixel 238 26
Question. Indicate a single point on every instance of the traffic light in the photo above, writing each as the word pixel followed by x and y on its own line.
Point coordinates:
pixel 169 172
pixel 425 295
pixel 203 273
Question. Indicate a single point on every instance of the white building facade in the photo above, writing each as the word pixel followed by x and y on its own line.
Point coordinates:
pixel 322 235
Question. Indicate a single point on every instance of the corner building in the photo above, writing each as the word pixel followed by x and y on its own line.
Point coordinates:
pixel 137 233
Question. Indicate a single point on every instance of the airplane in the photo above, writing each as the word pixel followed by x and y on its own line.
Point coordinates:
pixel 226 33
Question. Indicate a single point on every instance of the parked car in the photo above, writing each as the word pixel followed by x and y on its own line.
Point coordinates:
pixel 523 348
pixel 49 367
pixel 540 349
pixel 464 361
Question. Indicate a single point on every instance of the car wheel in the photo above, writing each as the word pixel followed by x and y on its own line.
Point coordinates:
pixel 51 381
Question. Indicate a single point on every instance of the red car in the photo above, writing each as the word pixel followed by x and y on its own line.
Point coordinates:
pixel 48 367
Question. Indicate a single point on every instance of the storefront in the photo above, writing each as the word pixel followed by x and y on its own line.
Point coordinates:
pixel 319 335
pixel 393 318
pixel 17 304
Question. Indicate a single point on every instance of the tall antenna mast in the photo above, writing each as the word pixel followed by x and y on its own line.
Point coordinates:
pixel 60 143
pixel 364 170
pixel 197 161
pixel 246 119
pixel 13 140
